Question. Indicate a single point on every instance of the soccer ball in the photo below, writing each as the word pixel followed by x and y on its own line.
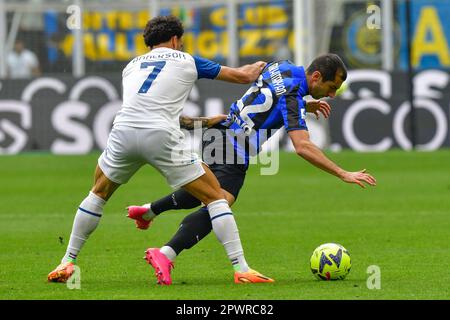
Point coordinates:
pixel 330 261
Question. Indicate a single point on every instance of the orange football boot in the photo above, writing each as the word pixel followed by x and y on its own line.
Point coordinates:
pixel 62 272
pixel 251 276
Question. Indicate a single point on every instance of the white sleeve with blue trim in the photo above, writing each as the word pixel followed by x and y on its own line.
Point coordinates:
pixel 206 68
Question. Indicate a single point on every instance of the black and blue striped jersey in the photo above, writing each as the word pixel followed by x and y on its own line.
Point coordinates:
pixel 274 100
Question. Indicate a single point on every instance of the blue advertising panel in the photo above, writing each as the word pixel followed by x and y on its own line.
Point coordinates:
pixel 430 34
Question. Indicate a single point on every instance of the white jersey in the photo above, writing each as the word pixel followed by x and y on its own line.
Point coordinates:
pixel 157 84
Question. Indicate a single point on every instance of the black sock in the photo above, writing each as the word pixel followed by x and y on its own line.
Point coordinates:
pixel 180 199
pixel 193 228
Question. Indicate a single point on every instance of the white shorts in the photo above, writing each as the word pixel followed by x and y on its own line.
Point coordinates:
pixel 129 148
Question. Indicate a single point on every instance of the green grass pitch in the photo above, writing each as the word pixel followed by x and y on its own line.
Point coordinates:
pixel 402 226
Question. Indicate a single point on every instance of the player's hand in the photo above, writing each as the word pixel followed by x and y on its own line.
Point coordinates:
pixel 212 121
pixel 317 107
pixel 260 65
pixel 358 177
pixel 257 68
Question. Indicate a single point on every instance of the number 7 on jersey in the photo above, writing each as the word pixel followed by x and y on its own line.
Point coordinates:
pixel 157 67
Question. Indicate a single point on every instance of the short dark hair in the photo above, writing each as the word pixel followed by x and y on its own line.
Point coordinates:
pixel 328 65
pixel 161 29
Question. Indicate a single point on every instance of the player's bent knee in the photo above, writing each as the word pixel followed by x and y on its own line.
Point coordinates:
pixel 214 195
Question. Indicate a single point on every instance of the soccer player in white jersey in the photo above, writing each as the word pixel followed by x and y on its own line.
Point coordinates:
pixel 146 131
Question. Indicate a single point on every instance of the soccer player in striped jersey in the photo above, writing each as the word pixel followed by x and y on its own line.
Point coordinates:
pixel 274 100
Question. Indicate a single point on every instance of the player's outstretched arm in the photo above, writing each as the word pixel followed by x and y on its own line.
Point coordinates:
pixel 245 74
pixel 310 152
pixel 206 122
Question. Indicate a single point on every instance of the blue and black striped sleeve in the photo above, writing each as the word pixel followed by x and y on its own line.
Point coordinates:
pixel 294 113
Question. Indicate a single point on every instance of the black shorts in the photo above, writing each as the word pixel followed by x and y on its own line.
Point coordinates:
pixel 231 177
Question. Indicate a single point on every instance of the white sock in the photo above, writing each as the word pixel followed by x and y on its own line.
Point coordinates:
pixel 169 253
pixel 86 220
pixel 225 228
pixel 149 215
